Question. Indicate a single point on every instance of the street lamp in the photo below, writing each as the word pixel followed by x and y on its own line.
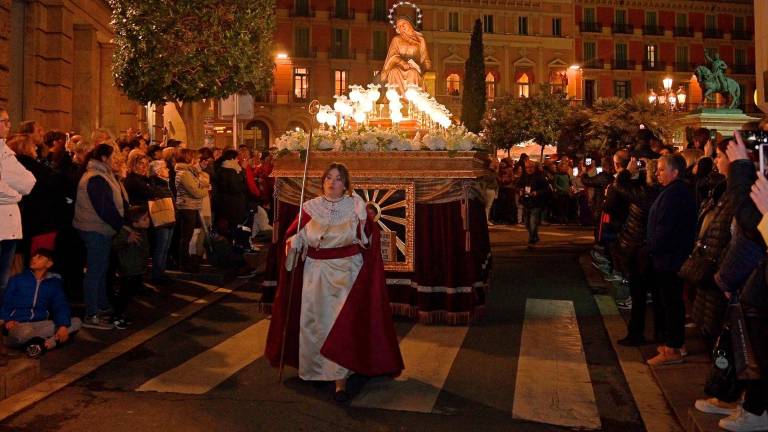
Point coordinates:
pixel 670 99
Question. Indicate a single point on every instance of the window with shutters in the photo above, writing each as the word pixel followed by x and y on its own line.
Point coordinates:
pixel 651 18
pixel 301 42
pixel 739 24
pixel 621 89
pixel 379 45
pixel 740 57
pixel 620 17
pixel 557 26
pixel 651 55
pixel 590 51
pixel 488 23
pixel 340 43
pixel 681 20
pixel 453 21
pixel 710 23
pixel 339 82
pixel 522 25
pixel 590 17
pixel 301 83
pixel 621 52
pixel 681 57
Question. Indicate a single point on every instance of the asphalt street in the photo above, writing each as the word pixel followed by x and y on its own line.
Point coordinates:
pixel 544 335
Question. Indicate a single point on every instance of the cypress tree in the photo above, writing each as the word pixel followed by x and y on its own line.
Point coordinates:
pixel 473 98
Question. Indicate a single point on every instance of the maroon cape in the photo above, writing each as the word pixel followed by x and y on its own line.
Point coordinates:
pixel 362 338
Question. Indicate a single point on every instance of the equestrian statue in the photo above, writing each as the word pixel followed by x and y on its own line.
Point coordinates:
pixel 714 81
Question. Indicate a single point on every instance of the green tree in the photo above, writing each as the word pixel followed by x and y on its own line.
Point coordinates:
pixel 617 122
pixel 513 120
pixel 576 131
pixel 184 51
pixel 473 98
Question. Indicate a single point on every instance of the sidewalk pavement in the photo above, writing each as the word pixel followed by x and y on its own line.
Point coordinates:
pixel 681 384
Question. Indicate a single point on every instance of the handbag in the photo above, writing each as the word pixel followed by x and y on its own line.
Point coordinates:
pixel 161 212
pixel 721 381
pixel 697 269
pixel 743 356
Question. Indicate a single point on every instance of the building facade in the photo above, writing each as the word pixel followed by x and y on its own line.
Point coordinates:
pixel 626 48
pixel 55 66
pixel 323 46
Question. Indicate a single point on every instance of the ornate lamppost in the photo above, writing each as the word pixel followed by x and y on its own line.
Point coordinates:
pixel 668 98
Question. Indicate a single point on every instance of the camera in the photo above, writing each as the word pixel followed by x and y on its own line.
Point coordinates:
pixel 754 138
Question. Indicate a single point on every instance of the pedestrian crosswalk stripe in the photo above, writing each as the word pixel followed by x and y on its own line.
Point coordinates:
pixel 428 353
pixel 210 368
pixel 553 384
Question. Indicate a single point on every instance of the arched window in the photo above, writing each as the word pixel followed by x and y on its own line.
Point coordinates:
pixel 523 86
pixel 453 85
pixel 490 87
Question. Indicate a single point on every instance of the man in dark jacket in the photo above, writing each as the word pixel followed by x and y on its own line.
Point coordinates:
pixel 670 236
pixel 535 193
pixel 32 298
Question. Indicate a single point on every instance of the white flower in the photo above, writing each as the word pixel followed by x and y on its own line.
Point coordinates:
pixel 434 142
pixel 325 144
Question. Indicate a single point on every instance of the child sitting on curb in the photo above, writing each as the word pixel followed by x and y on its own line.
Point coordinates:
pixel 30 300
pixel 132 248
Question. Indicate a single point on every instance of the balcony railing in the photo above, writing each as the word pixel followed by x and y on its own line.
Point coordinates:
pixel 743 69
pixel 304 52
pixel 684 67
pixel 302 12
pixel 376 55
pixel 683 31
pixel 712 34
pixel 653 30
pixel 654 65
pixel 377 16
pixel 623 28
pixel 342 54
pixel 590 27
pixel 593 64
pixel 623 64
pixel 348 14
pixel 741 35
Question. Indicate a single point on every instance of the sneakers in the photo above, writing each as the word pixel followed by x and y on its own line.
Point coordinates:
pixel 624 304
pixel 121 323
pixel 715 406
pixel 683 351
pixel 97 322
pixel 744 421
pixel 668 356
pixel 35 347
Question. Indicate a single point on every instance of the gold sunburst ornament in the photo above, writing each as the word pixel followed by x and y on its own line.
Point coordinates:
pixel 392 207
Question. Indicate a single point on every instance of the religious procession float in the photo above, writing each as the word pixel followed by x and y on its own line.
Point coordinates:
pixel 416 168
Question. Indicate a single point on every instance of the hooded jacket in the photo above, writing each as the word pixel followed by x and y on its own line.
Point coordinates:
pixel 27 299
pixel 15 182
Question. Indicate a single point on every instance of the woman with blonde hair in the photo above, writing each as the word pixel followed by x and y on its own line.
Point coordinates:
pixel 191 189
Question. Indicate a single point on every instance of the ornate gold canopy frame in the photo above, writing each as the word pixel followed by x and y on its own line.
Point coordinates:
pixel 392 206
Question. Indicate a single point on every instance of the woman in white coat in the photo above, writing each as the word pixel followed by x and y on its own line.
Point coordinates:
pixel 15 182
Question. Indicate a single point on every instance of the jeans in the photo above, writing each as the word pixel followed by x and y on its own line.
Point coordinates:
pixel 532 222
pixel 98 248
pixel 7 252
pixel 669 313
pixel 24 331
pixel 162 245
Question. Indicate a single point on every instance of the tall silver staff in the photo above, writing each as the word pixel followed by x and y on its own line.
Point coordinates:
pixel 313 108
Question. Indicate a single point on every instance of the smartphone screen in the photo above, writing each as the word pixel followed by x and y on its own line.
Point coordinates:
pixel 588 161
pixel 761 149
pixel 599 170
pixel 575 172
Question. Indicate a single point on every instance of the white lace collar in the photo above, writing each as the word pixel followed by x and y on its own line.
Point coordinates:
pixel 336 212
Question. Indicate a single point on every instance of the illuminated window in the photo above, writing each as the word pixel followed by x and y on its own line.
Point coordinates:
pixel 453 85
pixel 490 86
pixel 301 83
pixel 523 86
pixel 339 82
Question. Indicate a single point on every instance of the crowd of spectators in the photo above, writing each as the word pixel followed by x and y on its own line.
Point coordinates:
pixel 684 230
pixel 82 216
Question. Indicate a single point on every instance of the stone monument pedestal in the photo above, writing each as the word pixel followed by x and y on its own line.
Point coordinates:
pixel 725 121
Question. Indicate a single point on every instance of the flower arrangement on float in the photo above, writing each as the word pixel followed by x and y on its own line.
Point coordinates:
pixel 376 139
pixel 435 130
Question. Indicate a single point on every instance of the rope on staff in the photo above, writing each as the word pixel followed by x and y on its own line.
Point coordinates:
pixel 313 108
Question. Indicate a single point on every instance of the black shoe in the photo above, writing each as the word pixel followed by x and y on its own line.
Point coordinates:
pixel 631 341
pixel 35 347
pixel 341 397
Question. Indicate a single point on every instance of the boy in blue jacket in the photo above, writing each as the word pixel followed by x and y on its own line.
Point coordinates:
pixel 35 312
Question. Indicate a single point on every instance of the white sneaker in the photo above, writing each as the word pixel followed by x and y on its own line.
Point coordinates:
pixel 715 406
pixel 625 304
pixel 744 421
